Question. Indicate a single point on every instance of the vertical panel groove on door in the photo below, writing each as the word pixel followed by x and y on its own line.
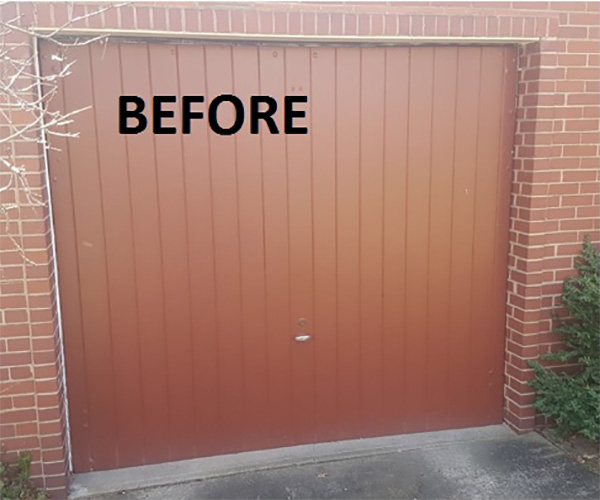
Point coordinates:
pixel 431 199
pixel 227 244
pixel 419 157
pixel 102 223
pixel 348 251
pixel 252 264
pixel 440 231
pixel 138 343
pixel 189 263
pixel 405 253
pixel 192 450
pixel 427 276
pixel 275 214
pixel 360 232
pixel 266 416
pixel 218 426
pixel 395 127
pixel 324 213
pixel 292 417
pixel 370 219
pixel 162 333
pixel 383 241
pixel 473 297
pixel 301 258
pixel 336 431
pixel 465 164
pixel 242 326
pixel 313 307
pixel 448 418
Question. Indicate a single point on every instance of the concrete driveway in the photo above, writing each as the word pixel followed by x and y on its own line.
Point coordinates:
pixel 484 463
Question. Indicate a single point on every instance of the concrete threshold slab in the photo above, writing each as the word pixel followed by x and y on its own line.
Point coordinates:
pixel 132 478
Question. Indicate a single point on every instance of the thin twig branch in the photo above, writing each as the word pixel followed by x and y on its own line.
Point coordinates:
pixel 24 90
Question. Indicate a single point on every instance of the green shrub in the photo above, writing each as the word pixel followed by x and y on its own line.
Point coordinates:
pixel 15 480
pixel 572 399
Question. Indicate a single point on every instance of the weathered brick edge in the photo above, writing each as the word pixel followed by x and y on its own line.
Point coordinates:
pixel 555 198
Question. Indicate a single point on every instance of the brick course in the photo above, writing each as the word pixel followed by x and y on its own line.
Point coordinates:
pixel 554 198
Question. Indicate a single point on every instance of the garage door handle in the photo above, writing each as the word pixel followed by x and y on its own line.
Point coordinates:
pixel 303 337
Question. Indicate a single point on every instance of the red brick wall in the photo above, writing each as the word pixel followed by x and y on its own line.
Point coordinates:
pixel 32 413
pixel 555 193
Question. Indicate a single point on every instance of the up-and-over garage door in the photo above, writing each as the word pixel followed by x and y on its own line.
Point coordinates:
pixel 228 293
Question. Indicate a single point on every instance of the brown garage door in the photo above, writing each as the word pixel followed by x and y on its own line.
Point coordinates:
pixel 189 263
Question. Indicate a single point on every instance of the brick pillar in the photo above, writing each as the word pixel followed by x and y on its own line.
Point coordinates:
pixel 555 192
pixel 31 399
pixel 529 225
